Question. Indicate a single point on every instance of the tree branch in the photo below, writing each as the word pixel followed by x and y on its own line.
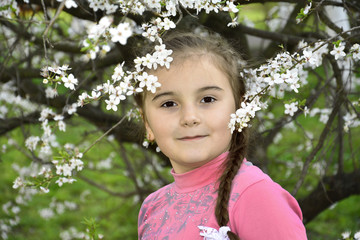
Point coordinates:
pixel 7 125
pixel 61 46
pixel 320 143
pixel 330 189
pixel 271 133
pixel 105 189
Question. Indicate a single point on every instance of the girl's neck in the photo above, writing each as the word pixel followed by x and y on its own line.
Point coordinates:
pixel 199 177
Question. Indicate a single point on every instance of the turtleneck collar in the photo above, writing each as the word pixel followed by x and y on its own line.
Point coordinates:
pixel 199 177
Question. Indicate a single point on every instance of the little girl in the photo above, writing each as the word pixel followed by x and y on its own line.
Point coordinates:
pixel 216 194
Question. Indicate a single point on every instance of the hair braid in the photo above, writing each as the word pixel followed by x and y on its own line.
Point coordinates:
pixel 232 165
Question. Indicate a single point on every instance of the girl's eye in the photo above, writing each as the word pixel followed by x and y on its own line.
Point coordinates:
pixel 169 104
pixel 208 100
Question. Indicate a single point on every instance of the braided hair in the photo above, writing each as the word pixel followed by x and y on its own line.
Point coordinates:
pixel 226 59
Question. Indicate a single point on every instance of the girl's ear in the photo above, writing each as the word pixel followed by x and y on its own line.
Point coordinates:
pixel 149 133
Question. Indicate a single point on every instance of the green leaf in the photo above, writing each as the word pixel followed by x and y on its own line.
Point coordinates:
pixel 337 43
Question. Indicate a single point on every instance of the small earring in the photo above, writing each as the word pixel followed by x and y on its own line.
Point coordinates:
pixel 147 141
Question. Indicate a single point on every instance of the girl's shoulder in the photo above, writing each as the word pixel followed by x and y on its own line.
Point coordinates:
pixel 153 201
pixel 257 202
pixel 253 187
pixel 247 176
pixel 158 194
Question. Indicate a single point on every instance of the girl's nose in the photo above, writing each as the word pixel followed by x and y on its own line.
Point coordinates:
pixel 189 116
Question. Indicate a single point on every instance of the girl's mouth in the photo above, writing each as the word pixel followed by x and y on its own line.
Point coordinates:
pixel 192 138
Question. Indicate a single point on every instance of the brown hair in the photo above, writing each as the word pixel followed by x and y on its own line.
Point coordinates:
pixel 223 56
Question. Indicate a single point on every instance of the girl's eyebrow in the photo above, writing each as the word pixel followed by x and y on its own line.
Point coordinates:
pixel 210 88
pixel 203 89
pixel 163 94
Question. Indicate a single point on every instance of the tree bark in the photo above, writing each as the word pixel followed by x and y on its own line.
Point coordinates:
pixel 330 190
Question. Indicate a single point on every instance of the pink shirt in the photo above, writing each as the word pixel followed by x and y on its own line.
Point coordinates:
pixel 258 208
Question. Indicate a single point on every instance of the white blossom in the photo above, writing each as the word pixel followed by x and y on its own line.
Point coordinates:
pixel 46 213
pixel 62 126
pixel 67 170
pixel 56 69
pixel 233 23
pixel 145 143
pixel 46 128
pixel 313 58
pixel 31 142
pixel 338 51
pixel 231 7
pixel 167 24
pixel 111 8
pixel 346 234
pixel 121 33
pixel 306 111
pixel 150 81
pixel 350 121
pixel 76 163
pixel 63 180
pixel 70 81
pixel 112 103
pixel 45 114
pixel 72 233
pixel 104 164
pixel 18 183
pixel 241 118
pixel 97 5
pixel 3 111
pixel 45 171
pixel 152 85
pixel 59 168
pixel 357 235
pixel 81 99
pixel 51 92
pixel 355 50
pixel 291 108
pixel 44 190
pixel 95 95
pixel 307 9
pixel 118 72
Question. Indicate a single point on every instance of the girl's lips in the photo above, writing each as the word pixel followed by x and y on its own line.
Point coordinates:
pixel 191 138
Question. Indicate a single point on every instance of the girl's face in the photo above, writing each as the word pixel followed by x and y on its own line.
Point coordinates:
pixel 188 115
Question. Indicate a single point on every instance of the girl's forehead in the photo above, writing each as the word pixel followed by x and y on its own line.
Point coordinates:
pixel 195 56
pixel 189 67
pixel 189 64
pixel 191 74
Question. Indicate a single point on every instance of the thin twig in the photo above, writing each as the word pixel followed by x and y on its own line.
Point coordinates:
pixel 30 155
pixel 353 153
pixel 334 37
pixel 320 143
pixel 340 143
pixel 58 11
pixel 44 9
pixel 131 170
pixel 61 7
pixel 158 175
pixel 105 189
pixel 106 133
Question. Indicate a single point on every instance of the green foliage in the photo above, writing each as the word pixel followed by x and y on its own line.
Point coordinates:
pixel 337 43
pixel 341 217
pixel 113 217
